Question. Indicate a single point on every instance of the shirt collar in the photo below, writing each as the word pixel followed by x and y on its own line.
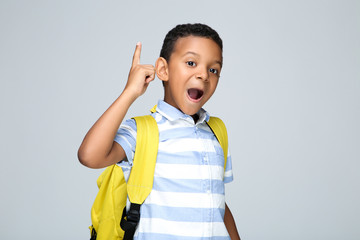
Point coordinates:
pixel 173 114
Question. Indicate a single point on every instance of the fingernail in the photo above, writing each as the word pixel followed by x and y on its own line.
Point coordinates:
pixel 138 43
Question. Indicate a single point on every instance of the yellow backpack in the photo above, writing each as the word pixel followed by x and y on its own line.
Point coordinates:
pixel 109 209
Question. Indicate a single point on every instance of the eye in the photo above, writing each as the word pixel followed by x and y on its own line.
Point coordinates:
pixel 191 63
pixel 214 71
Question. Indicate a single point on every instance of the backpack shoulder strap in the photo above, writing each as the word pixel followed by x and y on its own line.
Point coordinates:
pixel 141 178
pixel 220 132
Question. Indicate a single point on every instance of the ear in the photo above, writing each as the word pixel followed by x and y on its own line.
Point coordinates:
pixel 161 68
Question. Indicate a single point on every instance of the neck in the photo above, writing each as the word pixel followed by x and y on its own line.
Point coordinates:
pixel 195 117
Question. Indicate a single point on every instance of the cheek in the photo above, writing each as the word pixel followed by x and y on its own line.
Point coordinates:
pixel 214 84
pixel 212 89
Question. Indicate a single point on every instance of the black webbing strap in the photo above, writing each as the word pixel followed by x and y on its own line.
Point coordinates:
pixel 130 220
pixel 93 234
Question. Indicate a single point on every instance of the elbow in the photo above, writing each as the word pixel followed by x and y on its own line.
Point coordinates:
pixel 85 158
pixel 82 157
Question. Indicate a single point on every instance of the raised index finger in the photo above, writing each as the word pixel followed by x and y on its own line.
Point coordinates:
pixel 136 57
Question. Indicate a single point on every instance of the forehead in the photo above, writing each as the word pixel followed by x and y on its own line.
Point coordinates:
pixel 204 47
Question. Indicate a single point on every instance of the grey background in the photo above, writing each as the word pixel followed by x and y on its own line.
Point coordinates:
pixel 289 93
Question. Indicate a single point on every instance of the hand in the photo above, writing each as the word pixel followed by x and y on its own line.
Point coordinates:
pixel 140 75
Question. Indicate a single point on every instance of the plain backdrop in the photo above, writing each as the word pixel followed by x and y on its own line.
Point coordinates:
pixel 289 94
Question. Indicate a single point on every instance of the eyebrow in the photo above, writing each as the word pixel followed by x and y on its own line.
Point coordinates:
pixel 194 53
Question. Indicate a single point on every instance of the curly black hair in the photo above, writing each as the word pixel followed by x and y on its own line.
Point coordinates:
pixel 185 30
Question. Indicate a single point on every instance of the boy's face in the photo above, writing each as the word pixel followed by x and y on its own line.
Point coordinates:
pixel 193 73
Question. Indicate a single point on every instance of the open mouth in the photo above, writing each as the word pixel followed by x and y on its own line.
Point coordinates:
pixel 195 94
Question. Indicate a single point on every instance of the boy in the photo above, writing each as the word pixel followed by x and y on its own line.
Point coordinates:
pixel 187 200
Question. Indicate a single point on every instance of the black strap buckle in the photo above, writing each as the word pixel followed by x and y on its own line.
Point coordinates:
pixel 130 220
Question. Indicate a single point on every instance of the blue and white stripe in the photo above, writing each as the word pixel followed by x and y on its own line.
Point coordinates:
pixel 188 197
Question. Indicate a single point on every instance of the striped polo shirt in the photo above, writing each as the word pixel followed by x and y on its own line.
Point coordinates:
pixel 187 201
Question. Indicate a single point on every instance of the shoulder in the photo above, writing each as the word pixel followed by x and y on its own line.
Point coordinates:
pixel 129 124
pixel 132 123
pixel 127 129
pixel 216 123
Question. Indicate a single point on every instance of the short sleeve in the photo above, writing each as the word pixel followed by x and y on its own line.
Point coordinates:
pixel 228 176
pixel 126 137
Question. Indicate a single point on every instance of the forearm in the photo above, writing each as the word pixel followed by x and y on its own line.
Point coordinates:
pixel 98 149
pixel 230 224
pixel 97 144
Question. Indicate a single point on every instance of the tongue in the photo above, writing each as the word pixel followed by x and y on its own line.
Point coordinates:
pixel 194 93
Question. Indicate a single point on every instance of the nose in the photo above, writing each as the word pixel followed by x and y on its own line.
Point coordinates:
pixel 202 74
